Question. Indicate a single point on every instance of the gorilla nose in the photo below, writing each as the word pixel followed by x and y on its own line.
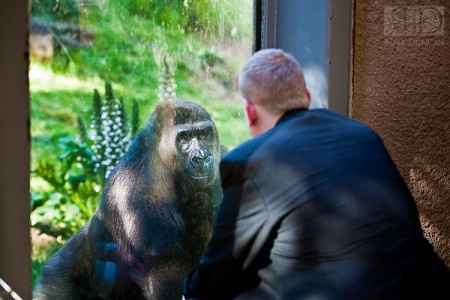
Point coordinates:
pixel 199 159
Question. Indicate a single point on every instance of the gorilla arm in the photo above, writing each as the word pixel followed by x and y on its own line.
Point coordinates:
pixel 61 272
pixel 82 269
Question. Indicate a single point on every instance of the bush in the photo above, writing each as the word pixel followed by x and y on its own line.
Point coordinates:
pixel 212 18
pixel 76 178
pixel 74 187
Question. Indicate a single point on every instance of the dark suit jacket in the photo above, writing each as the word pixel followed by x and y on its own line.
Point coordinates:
pixel 316 209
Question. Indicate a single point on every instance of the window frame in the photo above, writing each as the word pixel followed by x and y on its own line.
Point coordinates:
pixel 15 207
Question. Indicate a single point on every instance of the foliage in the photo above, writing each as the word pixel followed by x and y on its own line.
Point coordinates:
pixel 215 66
pixel 134 118
pixel 62 10
pixel 77 176
pixel 167 86
pixel 72 193
pixel 209 58
pixel 208 17
pixel 130 34
pixel 109 131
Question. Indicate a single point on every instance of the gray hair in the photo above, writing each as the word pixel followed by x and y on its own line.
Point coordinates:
pixel 274 80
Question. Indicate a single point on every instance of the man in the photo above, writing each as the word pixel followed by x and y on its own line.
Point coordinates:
pixel 313 206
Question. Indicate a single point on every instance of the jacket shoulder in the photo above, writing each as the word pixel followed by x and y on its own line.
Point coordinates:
pixel 340 122
pixel 236 163
pixel 244 151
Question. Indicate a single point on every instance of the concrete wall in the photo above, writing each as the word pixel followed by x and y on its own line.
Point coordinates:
pixel 401 88
pixel 15 261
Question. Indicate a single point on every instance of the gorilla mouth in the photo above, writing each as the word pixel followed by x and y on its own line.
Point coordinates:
pixel 201 170
pixel 200 177
pixel 202 174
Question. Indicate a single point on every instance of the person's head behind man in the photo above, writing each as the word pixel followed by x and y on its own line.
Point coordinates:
pixel 271 83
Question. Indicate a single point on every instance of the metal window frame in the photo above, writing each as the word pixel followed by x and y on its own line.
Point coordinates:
pixel 341 47
pixel 340 43
pixel 269 23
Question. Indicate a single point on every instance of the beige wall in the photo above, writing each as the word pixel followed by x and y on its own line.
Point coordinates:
pixel 401 88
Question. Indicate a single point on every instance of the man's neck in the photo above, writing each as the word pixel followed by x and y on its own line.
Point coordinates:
pixel 266 121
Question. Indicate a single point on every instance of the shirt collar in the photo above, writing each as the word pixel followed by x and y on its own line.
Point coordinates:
pixel 290 114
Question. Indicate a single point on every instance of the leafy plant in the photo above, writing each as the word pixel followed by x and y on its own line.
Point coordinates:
pixel 210 17
pixel 62 10
pixel 71 197
pixel 134 118
pixel 76 177
pixel 167 85
pixel 109 136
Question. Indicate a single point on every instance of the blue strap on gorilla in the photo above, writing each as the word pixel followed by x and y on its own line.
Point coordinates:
pixel 106 274
pixel 106 271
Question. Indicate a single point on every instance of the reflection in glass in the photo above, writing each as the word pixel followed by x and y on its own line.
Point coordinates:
pixel 303 30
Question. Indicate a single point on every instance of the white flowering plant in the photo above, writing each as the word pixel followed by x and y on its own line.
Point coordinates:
pixel 76 178
pixel 167 85
pixel 109 131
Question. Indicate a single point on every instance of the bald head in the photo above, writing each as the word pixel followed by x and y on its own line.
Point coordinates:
pixel 274 80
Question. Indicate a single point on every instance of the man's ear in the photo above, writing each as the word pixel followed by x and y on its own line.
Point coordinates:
pixel 251 113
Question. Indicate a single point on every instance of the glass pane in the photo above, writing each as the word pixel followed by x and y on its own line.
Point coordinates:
pixel 303 30
pixel 85 53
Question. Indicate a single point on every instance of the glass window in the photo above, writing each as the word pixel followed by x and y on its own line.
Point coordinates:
pixel 98 68
pixel 303 30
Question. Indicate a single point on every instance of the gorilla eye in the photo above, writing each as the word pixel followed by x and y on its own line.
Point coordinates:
pixel 183 141
pixel 205 134
pixel 184 146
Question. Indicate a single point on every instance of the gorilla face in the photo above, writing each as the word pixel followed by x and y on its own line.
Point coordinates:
pixel 189 143
pixel 195 144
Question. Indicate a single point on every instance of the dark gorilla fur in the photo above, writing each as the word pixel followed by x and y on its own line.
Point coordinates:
pixel 154 219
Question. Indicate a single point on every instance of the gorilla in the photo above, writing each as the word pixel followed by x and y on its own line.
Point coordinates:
pixel 154 219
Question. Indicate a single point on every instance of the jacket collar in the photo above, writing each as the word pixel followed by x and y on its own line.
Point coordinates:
pixel 290 114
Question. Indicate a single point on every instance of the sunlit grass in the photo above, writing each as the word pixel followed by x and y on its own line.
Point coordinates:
pixel 42 78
